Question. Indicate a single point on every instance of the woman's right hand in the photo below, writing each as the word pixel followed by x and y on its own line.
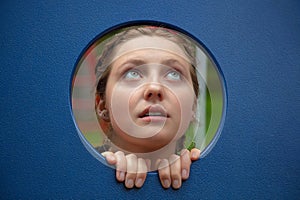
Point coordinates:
pixel 129 169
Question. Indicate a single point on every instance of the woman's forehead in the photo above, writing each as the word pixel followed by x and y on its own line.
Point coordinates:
pixel 150 43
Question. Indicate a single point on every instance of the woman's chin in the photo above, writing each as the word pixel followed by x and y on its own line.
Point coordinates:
pixel 157 142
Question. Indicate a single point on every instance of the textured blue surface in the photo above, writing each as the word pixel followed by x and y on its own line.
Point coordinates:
pixel 257 45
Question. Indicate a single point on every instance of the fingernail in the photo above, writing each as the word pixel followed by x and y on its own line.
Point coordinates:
pixel 194 155
pixel 184 173
pixel 139 182
pixel 166 183
pixel 112 158
pixel 176 183
pixel 129 183
pixel 122 175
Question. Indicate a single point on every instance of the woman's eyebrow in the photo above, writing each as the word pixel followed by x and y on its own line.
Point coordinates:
pixel 134 61
pixel 172 62
pixel 131 62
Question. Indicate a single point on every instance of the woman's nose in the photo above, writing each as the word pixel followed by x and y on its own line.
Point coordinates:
pixel 154 91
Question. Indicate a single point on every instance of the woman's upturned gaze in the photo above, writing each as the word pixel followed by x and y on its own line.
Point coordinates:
pixel 145 101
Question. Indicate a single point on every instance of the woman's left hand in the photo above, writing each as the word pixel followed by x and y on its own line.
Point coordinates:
pixel 177 168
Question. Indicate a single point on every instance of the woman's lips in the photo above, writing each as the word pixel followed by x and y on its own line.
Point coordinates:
pixel 154 113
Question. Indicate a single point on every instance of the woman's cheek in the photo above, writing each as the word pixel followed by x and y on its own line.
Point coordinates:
pixel 186 101
pixel 118 106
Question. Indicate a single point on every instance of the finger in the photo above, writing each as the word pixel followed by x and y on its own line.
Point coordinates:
pixel 164 173
pixel 157 163
pixel 131 170
pixel 121 166
pixel 195 154
pixel 185 164
pixel 148 163
pixel 110 157
pixel 175 169
pixel 141 172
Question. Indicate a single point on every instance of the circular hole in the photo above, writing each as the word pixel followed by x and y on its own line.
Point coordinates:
pixel 147 88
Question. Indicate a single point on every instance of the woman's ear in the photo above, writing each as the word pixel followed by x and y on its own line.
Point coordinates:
pixel 99 102
pixel 100 107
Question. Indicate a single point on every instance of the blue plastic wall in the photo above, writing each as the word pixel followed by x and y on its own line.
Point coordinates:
pixel 257 46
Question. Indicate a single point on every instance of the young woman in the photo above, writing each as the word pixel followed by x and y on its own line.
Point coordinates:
pixel 145 101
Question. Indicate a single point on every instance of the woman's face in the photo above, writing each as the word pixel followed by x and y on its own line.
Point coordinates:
pixel 149 94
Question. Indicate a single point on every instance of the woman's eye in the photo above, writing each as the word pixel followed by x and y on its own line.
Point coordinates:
pixel 132 75
pixel 174 75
